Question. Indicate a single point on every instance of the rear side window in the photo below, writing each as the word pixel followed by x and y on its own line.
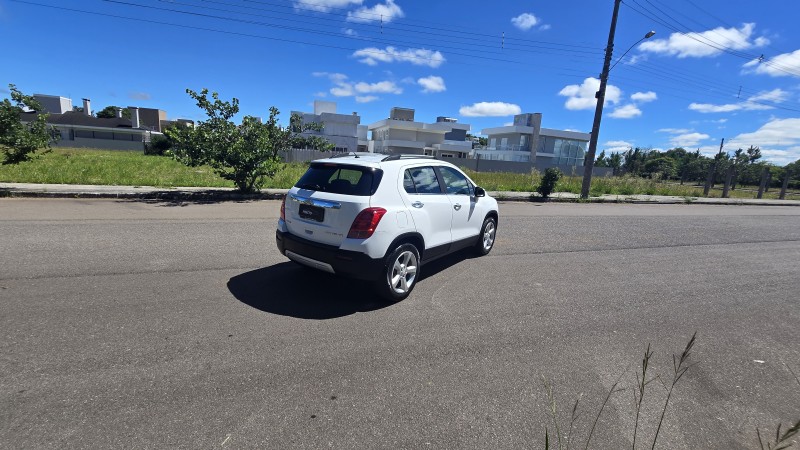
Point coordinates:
pixel 424 180
pixel 340 179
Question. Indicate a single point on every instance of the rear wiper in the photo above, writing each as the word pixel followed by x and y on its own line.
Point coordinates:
pixel 311 186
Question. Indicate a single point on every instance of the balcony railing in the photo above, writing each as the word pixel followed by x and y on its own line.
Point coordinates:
pixel 507 148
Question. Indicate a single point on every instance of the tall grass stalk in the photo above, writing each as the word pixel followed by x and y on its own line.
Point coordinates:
pixel 782 441
pixel 638 393
pixel 679 365
pixel 614 389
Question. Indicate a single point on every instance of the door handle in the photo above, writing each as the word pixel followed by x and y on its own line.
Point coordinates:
pixel 457 207
pixel 418 204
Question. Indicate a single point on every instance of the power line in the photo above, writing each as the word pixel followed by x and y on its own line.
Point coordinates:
pixel 326 9
pixel 697 36
pixel 542 49
pixel 286 40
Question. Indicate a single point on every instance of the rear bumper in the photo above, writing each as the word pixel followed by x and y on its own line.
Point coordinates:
pixel 342 262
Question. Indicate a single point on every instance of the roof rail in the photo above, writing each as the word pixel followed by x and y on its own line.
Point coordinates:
pixel 344 155
pixel 402 156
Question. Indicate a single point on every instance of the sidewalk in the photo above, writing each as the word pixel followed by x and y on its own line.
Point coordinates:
pixel 220 194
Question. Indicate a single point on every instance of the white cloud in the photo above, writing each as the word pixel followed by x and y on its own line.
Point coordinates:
pixel 321 94
pixel 382 12
pixel 644 97
pixel 525 21
pixel 707 43
pixel 382 87
pixel 688 139
pixel 674 130
pixel 635 59
pixel 778 139
pixel 490 109
pixel 626 112
pixel 324 5
pixel 344 90
pixel 751 104
pixel 774 96
pixel 365 98
pixel 777 132
pixel 418 56
pixel 581 96
pixel 783 65
pixel 616 146
pixel 545 27
pixel 432 84
pixel 343 87
pixel 350 32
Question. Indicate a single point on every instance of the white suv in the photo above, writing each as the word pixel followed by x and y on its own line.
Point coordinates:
pixel 380 218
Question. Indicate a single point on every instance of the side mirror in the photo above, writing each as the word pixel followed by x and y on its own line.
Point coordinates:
pixel 479 192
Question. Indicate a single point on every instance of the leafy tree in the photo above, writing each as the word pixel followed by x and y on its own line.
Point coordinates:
pixel 663 166
pixel 614 161
pixel 601 160
pixel 245 153
pixel 634 161
pixel 753 154
pixel 109 112
pixel 19 141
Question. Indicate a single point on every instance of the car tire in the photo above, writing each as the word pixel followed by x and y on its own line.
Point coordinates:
pixel 400 273
pixel 486 237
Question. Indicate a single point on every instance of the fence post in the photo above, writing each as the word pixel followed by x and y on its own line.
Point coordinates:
pixel 763 182
pixel 785 183
pixel 709 178
pixel 727 187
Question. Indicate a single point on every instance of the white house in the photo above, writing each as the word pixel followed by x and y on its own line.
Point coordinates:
pixel 342 130
pixel 525 140
pixel 401 134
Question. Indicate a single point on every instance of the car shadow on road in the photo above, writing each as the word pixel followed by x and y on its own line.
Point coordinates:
pixel 288 289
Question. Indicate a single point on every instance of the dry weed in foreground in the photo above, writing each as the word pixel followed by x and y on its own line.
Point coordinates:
pixel 680 365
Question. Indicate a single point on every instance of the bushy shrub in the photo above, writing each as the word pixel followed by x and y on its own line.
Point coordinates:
pixel 548 183
pixel 158 145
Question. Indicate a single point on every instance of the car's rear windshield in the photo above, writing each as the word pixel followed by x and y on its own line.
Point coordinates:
pixel 341 179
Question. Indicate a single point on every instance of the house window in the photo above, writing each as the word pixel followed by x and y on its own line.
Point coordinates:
pixel 504 143
pixel 493 143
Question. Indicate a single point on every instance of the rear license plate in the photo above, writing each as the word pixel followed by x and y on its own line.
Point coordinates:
pixel 309 212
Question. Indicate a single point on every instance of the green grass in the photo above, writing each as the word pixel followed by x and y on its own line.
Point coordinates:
pixel 110 167
pixel 625 185
pixel 124 168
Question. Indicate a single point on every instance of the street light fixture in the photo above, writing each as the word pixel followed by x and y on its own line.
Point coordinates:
pixel 601 97
pixel 646 36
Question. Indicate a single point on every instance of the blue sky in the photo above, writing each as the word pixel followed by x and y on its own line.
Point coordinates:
pixel 715 69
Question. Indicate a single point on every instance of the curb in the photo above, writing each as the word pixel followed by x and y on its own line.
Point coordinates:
pixel 13 190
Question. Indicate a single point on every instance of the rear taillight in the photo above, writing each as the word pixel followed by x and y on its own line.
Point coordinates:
pixel 366 222
pixel 283 209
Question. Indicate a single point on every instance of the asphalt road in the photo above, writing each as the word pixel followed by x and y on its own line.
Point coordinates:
pixel 131 324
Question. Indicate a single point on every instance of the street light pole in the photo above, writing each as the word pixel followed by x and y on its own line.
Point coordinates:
pixel 598 112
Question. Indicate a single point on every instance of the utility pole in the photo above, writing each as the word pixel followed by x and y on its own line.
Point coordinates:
pixel 598 112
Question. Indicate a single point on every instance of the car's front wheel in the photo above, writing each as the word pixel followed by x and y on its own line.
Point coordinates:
pixel 486 238
pixel 400 273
